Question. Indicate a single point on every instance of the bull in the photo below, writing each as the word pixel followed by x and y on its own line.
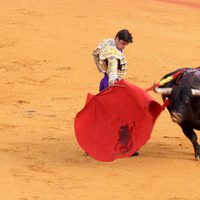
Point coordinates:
pixel 183 93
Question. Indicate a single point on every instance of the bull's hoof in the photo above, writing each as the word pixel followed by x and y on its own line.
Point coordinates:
pixel 197 158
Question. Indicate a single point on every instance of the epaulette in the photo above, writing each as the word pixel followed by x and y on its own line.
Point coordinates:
pixel 111 51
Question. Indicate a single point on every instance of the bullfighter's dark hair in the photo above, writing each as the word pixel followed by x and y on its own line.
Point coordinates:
pixel 125 35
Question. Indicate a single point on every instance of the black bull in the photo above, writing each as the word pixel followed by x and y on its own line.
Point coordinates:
pixel 184 107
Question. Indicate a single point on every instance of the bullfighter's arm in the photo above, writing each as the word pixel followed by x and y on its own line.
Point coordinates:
pixel 112 70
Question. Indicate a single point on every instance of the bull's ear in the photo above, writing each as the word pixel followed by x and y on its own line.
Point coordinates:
pixel 195 92
pixel 166 91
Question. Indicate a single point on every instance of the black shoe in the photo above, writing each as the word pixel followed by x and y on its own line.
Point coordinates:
pixel 86 153
pixel 135 154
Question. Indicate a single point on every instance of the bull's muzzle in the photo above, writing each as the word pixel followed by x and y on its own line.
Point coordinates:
pixel 176 117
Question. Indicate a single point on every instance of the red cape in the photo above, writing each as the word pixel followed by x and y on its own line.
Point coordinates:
pixel 116 122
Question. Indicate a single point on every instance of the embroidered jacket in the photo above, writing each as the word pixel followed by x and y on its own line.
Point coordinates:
pixel 110 60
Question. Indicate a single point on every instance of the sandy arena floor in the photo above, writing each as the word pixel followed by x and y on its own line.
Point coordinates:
pixel 46 71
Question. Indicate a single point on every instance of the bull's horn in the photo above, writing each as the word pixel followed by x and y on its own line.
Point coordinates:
pixel 195 92
pixel 165 91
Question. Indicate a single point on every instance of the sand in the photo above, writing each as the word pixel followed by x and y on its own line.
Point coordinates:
pixel 46 71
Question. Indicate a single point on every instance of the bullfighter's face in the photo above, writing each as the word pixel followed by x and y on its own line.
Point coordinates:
pixel 120 44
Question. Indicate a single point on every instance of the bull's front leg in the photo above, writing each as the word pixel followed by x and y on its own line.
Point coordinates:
pixel 191 135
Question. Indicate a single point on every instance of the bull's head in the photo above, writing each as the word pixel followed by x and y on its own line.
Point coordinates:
pixel 180 101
